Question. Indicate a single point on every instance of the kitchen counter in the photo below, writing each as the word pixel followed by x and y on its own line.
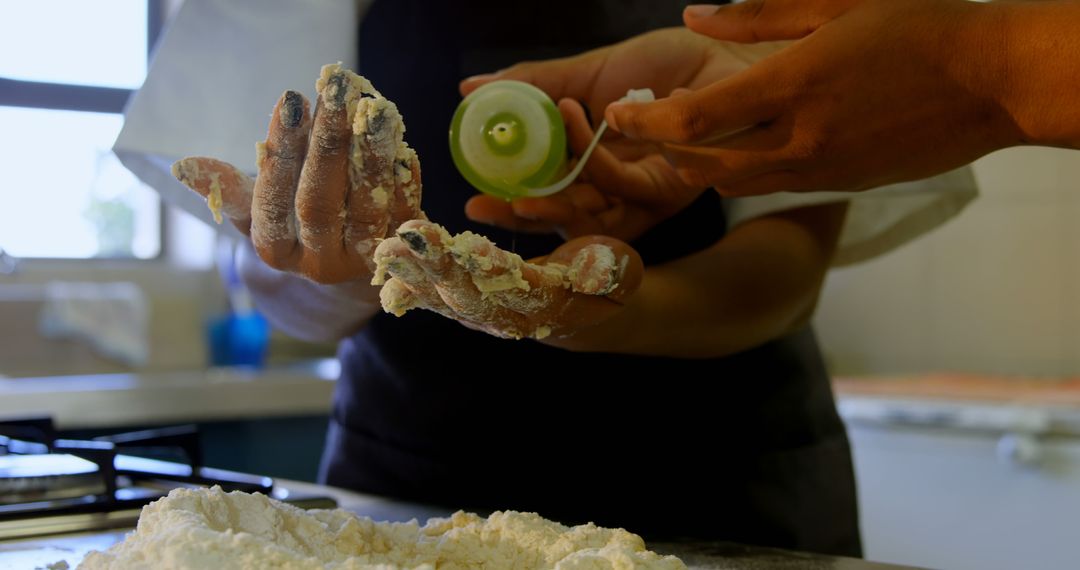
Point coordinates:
pixel 136 399
pixel 39 552
pixel 1062 392
pixel 990 462
pixel 968 402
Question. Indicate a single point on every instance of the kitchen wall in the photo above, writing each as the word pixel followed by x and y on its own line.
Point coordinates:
pixel 182 291
pixel 995 290
pixel 179 300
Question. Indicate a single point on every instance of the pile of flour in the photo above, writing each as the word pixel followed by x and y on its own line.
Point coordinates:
pixel 209 528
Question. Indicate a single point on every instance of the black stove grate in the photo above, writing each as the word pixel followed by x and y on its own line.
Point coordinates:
pixel 124 482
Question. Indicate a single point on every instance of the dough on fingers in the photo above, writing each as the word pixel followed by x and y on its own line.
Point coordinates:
pixel 486 287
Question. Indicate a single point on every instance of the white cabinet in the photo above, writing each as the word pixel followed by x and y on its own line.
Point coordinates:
pixel 967 486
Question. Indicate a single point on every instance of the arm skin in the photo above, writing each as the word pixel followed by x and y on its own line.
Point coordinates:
pixel 759 282
pixel 871 92
pixel 1041 70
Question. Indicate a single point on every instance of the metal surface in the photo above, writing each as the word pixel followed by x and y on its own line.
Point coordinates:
pixel 40 527
pixel 40 553
pixel 49 476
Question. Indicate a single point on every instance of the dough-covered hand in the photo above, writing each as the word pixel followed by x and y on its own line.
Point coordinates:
pixel 470 280
pixel 329 187
pixel 627 185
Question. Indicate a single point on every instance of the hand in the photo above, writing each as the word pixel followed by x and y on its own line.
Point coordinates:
pixel 627 186
pixel 874 92
pixel 328 190
pixel 468 279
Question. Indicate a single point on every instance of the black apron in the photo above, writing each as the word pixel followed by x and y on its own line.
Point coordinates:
pixel 746 448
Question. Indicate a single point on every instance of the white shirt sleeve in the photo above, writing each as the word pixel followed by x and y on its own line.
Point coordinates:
pixel 216 74
pixel 878 220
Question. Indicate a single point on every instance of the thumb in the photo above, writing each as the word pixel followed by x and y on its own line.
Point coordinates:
pixel 601 265
pixel 217 180
pixel 709 113
pixel 762 20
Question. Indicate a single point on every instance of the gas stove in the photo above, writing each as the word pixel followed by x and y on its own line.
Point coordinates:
pixel 50 485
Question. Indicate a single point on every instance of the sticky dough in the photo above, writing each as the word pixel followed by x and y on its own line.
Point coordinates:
pixel 209 528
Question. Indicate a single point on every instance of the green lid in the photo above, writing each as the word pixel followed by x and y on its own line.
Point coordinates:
pixel 507 137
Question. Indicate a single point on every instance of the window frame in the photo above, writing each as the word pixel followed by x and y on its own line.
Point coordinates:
pixel 95 99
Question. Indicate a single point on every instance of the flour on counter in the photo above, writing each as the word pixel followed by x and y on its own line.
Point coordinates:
pixel 209 528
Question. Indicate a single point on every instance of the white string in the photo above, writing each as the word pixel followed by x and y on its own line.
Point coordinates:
pixel 633 95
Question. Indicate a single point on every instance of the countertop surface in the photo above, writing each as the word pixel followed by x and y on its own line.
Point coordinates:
pixel 40 552
pixel 958 386
pixel 1039 406
pixel 118 400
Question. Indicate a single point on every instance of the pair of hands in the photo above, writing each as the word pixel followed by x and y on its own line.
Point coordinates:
pixel 745 119
pixel 871 92
pixel 308 216
pixel 339 188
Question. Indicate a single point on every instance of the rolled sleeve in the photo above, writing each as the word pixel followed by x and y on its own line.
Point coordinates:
pixel 878 220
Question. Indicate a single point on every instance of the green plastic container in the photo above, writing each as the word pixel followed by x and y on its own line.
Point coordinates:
pixel 508 137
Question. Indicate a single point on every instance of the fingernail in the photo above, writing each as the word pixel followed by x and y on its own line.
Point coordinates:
pixel 336 88
pixel 409 272
pixel 526 215
pixel 377 123
pixel 415 240
pixel 609 115
pixel 594 270
pixel 292 109
pixel 179 172
pixel 480 77
pixel 700 10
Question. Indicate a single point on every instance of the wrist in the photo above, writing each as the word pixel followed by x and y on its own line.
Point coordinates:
pixel 1038 67
pixel 976 54
pixel 302 308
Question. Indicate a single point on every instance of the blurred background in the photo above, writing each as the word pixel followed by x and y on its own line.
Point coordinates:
pixel 956 357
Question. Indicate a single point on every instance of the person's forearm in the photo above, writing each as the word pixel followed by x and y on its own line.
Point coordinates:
pixel 304 309
pixel 759 283
pixel 1040 68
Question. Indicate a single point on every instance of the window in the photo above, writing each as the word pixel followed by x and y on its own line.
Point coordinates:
pixel 67 69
